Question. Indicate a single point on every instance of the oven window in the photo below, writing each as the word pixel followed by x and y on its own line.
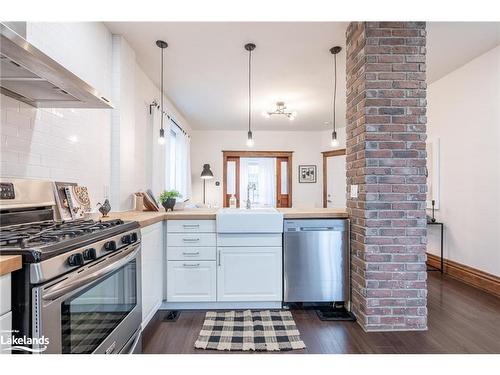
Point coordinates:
pixel 90 316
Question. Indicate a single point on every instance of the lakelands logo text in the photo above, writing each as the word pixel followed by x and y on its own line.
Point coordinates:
pixel 24 343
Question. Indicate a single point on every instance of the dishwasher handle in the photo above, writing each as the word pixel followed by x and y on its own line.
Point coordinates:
pixel 316 229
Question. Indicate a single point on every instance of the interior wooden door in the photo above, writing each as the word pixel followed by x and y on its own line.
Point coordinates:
pixel 231 179
pixel 283 182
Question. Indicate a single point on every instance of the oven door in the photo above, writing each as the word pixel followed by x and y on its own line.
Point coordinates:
pixel 95 309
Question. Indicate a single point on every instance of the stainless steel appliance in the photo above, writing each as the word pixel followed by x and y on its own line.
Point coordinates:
pixel 80 282
pixel 29 75
pixel 316 260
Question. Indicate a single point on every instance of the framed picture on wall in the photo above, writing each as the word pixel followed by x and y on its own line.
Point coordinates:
pixel 307 173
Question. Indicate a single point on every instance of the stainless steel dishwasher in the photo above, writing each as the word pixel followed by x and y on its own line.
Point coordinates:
pixel 316 260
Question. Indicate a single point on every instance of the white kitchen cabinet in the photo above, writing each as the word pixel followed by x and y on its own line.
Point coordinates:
pixel 191 261
pixel 5 332
pixel 191 239
pixel 152 270
pixel 249 274
pixel 191 226
pixel 191 281
pixel 5 294
pixel 191 253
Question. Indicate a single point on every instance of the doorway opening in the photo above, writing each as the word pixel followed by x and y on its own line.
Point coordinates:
pixel 263 177
pixel 334 179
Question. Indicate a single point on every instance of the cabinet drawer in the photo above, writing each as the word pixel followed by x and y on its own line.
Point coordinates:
pixel 191 253
pixel 191 226
pixel 191 239
pixel 189 281
pixel 5 296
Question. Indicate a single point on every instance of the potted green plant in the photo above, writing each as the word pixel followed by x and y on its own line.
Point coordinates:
pixel 168 198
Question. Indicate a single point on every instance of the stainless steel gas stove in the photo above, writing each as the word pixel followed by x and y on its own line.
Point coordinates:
pixel 79 289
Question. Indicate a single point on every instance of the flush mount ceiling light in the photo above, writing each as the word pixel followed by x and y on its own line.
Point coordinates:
pixel 249 47
pixel 162 45
pixel 281 110
pixel 334 51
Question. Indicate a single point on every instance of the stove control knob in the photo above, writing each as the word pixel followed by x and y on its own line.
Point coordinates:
pixel 110 246
pixel 90 254
pixel 127 239
pixel 75 260
pixel 134 237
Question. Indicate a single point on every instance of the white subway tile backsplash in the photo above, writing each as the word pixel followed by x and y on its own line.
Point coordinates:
pixel 64 144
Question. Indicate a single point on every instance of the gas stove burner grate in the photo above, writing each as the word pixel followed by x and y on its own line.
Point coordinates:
pixel 46 233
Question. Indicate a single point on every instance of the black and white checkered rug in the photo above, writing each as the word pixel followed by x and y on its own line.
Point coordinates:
pixel 249 330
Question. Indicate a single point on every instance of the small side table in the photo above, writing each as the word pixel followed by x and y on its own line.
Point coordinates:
pixel 441 269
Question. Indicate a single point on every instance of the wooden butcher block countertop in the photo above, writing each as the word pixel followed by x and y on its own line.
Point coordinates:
pixel 145 218
pixel 313 213
pixel 10 263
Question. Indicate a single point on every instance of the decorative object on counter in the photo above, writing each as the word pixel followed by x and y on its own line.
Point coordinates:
pixel 232 201
pixel 81 195
pixel 63 209
pixel 138 202
pixel 149 204
pixel 334 51
pixel 179 206
pixel 307 173
pixel 105 208
pixel 250 47
pixel 168 199
pixel 72 201
pixel 206 174
pixel 281 335
pixel 162 45
pixel 281 110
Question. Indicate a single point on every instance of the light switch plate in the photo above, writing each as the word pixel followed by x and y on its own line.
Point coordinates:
pixel 354 191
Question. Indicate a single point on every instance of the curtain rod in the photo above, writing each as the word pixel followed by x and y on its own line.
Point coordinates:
pixel 176 124
pixel 154 104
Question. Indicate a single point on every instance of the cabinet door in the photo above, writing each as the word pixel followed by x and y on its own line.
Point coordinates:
pixel 249 274
pixel 191 281
pixel 152 270
pixel 5 332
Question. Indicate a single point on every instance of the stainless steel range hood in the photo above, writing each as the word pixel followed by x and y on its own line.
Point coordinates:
pixel 29 75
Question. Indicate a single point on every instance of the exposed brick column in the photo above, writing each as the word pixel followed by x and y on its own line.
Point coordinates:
pixel 386 158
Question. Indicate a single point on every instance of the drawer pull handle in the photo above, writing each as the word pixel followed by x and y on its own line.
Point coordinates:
pixel 193 254
pixel 190 226
pixel 190 239
pixel 191 265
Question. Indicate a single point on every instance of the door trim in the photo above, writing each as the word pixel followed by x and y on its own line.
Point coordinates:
pixel 326 155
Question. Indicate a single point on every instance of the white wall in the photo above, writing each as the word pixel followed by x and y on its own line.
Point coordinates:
pixel 207 147
pixel 464 112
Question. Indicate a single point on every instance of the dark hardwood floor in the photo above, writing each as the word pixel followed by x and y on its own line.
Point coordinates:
pixel 462 319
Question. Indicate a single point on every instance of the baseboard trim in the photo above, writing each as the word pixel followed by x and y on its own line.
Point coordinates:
pixel 472 276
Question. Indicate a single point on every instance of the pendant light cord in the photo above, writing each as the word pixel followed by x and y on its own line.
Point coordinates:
pixel 249 89
pixel 334 87
pixel 161 93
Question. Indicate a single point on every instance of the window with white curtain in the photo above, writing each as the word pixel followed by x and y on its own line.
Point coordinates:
pixel 178 173
pixel 258 181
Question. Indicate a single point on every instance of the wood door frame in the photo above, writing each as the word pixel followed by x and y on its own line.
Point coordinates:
pixel 256 154
pixel 326 155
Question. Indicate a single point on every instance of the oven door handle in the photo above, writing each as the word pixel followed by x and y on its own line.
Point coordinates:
pixel 68 285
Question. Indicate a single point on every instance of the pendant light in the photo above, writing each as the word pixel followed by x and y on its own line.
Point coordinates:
pixel 162 45
pixel 334 51
pixel 249 47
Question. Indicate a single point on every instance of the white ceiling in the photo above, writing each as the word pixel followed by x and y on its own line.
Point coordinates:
pixel 206 66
